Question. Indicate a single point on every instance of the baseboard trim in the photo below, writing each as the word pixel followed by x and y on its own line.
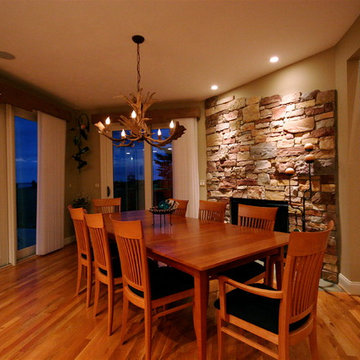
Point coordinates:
pixel 351 287
pixel 68 240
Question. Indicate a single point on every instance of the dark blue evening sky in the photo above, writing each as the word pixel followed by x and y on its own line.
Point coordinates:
pixel 25 150
pixel 129 161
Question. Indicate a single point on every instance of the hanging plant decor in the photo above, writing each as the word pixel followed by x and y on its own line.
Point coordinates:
pixel 81 134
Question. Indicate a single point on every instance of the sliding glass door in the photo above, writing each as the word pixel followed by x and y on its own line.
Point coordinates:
pixel 140 174
pixel 162 178
pixel 128 175
pixel 26 183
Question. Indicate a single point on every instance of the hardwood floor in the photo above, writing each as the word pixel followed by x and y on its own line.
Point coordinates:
pixel 41 318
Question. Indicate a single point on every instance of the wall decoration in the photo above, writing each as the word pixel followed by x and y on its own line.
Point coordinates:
pixel 81 131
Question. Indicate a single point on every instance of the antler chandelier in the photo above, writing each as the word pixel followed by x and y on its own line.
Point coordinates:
pixel 136 127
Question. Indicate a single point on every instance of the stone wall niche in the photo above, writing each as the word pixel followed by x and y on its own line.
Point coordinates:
pixel 251 141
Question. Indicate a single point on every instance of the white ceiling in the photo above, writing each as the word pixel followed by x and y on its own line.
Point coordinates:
pixel 81 51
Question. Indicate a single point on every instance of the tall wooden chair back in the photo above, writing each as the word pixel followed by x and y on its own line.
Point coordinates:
pixel 132 250
pixel 99 242
pixel 169 285
pixel 290 314
pixel 212 211
pixel 301 275
pixel 81 232
pixel 257 217
pixel 107 206
pixel 182 207
pixel 107 266
pixel 83 249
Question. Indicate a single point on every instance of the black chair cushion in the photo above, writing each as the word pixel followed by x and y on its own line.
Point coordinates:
pixel 166 281
pixel 244 273
pixel 255 309
pixel 116 266
pixel 92 256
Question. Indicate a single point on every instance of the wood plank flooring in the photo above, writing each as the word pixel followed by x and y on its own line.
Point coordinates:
pixel 42 319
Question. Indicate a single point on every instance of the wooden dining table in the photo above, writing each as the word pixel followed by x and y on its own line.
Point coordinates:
pixel 202 249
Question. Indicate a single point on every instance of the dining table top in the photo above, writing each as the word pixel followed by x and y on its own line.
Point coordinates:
pixel 198 244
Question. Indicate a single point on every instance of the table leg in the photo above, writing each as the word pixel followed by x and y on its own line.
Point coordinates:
pixel 201 302
pixel 279 266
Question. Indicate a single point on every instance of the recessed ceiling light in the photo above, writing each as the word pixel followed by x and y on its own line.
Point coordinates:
pixel 274 59
pixel 6 55
pixel 214 87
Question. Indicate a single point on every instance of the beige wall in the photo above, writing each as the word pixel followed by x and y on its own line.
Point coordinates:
pixel 90 175
pixel 349 153
pixel 315 72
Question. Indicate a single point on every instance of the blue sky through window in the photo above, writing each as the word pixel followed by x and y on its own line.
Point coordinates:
pixel 25 150
pixel 129 161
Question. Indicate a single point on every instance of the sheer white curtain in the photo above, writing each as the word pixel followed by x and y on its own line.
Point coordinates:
pixel 51 181
pixel 186 167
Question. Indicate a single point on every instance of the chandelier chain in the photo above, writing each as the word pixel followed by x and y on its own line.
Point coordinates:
pixel 138 67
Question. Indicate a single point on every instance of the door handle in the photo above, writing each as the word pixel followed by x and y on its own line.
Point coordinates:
pixel 108 191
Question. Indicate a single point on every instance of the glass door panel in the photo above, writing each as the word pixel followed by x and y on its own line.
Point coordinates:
pixel 128 175
pixel 26 182
pixel 162 169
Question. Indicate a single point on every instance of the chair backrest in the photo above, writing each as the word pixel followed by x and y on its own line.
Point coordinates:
pixel 182 207
pixel 99 242
pixel 302 274
pixel 81 231
pixel 257 217
pixel 132 250
pixel 212 211
pixel 107 206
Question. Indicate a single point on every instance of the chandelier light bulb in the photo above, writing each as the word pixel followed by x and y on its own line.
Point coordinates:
pixel 172 124
pixel 159 133
pixel 133 114
pixel 123 134
pixel 107 121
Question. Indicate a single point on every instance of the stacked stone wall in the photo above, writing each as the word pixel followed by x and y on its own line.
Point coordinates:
pixel 251 141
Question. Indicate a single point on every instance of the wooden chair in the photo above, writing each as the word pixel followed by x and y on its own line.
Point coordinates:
pixel 107 206
pixel 107 268
pixel 147 288
pixel 255 217
pixel 182 207
pixel 83 250
pixel 212 211
pixel 281 317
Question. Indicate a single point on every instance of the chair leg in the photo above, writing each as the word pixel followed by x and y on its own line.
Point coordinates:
pixel 196 335
pixel 125 312
pixel 284 350
pixel 220 336
pixel 269 276
pixel 88 284
pixel 148 324
pixel 96 296
pixel 78 281
pixel 110 306
pixel 313 343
